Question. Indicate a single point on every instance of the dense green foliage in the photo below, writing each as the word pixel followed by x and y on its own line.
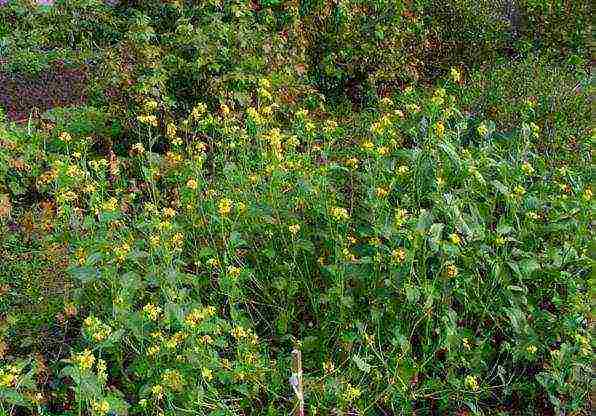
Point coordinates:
pixel 399 189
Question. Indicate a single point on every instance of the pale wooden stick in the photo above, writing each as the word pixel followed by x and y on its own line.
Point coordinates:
pixel 296 381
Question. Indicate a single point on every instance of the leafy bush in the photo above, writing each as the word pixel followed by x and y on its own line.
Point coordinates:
pixel 211 209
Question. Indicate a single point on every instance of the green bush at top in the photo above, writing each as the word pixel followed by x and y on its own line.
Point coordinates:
pixel 354 46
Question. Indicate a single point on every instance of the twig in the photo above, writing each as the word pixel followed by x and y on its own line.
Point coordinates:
pixel 296 382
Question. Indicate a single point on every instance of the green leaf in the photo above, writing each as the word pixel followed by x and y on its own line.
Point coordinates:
pixel 412 294
pixel 85 274
pixel 361 364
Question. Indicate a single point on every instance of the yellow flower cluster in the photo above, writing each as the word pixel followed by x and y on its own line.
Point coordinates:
pixel 294 229
pixel 152 311
pixel 191 184
pixel 254 115
pixel 122 251
pixel 8 377
pixel 451 270
pixel 351 393
pixel 196 316
pixel 173 379
pixel 65 137
pixel 527 168
pixel 400 217
pixel 381 192
pixel 207 374
pixel 339 214
pixel 110 205
pixel 97 329
pixel 175 340
pixel 382 125
pixel 399 255
pixel 150 120
pixel 224 206
pixel 100 407
pixel 234 272
pixel 455 239
pixel 198 111
pixel 472 382
pixel 84 360
pixel 455 74
pixel 440 129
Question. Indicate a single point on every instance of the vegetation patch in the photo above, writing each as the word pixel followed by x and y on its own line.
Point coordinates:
pixel 279 207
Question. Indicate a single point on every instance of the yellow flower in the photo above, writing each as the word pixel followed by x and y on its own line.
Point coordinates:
pixel 224 207
pixel 225 110
pixel 238 332
pixel 207 373
pixel 171 130
pixel 531 349
pixel 472 383
pixel 352 162
pixel 368 145
pixel 234 271
pixel 519 190
pixel 157 391
pixel 482 130
pixel 264 83
pixel 150 120
pixel 152 311
pixel 399 255
pixel 191 184
pixel 352 393
pixel 212 262
pixel 339 214
pixel 527 168
pixel 455 74
pixel 255 116
pixel 302 114
pixel 154 240
pixel 110 205
pixel 466 343
pixel 121 251
pixel 138 148
pixel 330 126
pixel 383 151
pixel 85 360
pixel 381 192
pixel 403 170
pixel 198 111
pixel 101 408
pixel 294 229
pixel 7 379
pixel 535 129
pixel 173 379
pixel 440 129
pixel 400 217
pixel 177 240
pixel 452 271
pixel 455 239
pixel 153 350
pixel 588 194
pixel 150 105
pixel 169 212
pixel 65 137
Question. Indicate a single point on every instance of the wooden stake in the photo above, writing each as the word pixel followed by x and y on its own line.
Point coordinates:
pixel 296 381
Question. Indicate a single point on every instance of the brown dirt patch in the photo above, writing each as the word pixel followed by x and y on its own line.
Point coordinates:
pixel 59 86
